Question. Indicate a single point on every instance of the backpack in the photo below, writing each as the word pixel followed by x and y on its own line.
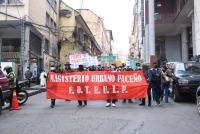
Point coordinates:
pixel 156 75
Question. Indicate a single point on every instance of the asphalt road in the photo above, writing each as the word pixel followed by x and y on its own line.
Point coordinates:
pixel 36 117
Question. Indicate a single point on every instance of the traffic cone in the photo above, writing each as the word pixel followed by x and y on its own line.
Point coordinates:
pixel 15 105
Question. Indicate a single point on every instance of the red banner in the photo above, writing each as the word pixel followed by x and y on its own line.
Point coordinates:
pixel 96 85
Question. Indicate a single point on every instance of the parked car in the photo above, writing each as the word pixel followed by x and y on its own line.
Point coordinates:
pixel 186 79
pixel 198 99
pixel 4 92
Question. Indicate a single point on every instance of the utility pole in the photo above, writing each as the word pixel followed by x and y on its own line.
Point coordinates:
pixel 6 1
pixel 22 47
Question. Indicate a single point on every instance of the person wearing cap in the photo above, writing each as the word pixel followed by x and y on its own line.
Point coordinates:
pixel 68 67
pixel 80 102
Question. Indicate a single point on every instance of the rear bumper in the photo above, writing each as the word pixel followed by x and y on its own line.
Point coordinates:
pixel 188 89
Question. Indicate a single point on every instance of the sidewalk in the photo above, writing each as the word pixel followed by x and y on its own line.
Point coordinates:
pixel 35 89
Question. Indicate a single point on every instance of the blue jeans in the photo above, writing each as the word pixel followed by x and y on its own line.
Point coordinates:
pixel 165 88
pixel 156 92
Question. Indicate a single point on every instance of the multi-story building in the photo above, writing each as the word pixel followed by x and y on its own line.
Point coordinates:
pixel 28 33
pixel 133 54
pixel 135 39
pixel 75 36
pixel 110 41
pixel 97 27
pixel 171 30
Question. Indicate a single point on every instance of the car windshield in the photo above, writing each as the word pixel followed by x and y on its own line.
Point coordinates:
pixel 188 67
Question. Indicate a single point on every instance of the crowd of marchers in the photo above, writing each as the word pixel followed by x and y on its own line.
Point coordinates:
pixel 159 79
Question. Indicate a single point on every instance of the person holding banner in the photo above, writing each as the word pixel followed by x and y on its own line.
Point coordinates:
pixel 68 68
pixel 129 100
pixel 112 101
pixel 80 102
pixel 53 101
pixel 147 75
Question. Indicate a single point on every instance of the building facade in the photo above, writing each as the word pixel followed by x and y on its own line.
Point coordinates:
pixel 110 41
pixel 171 30
pixel 97 27
pixel 75 36
pixel 28 34
pixel 136 43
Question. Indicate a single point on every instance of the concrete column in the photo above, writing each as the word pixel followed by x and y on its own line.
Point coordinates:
pixel 197 26
pixel 26 57
pixel 42 51
pixel 146 48
pixel 151 28
pixel 193 36
pixel 184 43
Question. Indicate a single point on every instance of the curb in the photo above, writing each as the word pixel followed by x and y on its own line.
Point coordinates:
pixel 34 91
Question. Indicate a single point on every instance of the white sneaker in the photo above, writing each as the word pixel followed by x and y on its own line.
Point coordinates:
pixel 113 105
pixel 108 105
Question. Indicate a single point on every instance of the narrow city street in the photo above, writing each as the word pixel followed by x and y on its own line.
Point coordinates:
pixel 36 117
pixel 83 50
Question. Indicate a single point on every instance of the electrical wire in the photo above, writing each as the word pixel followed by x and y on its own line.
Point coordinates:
pixel 39 25
pixel 17 8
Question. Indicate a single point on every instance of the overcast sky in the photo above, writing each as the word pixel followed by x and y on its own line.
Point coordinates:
pixel 117 15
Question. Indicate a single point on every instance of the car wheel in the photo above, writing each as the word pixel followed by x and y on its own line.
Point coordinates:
pixel 1 105
pixel 176 95
pixel 198 103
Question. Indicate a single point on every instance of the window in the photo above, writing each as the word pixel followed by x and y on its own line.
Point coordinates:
pixel 52 23
pixel 2 1
pixel 55 25
pixel 53 4
pixel 10 45
pixel 48 20
pixel 13 2
pixel 46 46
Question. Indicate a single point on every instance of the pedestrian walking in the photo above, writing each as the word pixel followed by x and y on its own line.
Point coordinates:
pixel 166 79
pixel 53 101
pixel 43 77
pixel 110 102
pixel 67 69
pixel 148 77
pixel 129 100
pixel 156 82
pixel 80 102
pixel 28 76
